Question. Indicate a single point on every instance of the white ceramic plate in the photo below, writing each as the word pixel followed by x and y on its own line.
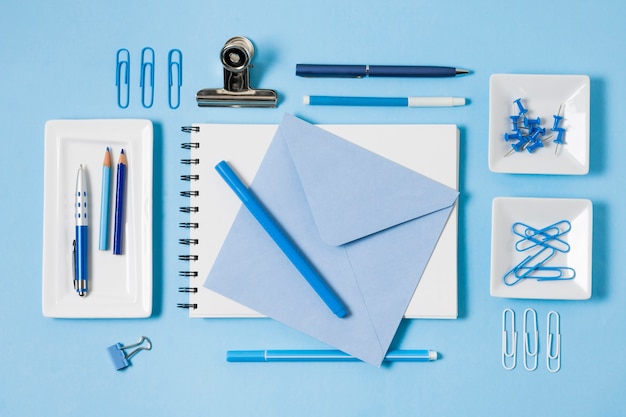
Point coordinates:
pixel 541 95
pixel 539 213
pixel 119 285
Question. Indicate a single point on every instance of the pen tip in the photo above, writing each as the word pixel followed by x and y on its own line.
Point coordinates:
pixel 461 71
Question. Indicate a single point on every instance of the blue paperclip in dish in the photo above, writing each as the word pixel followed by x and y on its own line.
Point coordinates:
pixel 541 248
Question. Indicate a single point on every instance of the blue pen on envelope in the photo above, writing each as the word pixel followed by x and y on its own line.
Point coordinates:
pixel 413 355
pixel 81 246
pixel 264 218
pixel 384 101
pixel 361 71
pixel 105 202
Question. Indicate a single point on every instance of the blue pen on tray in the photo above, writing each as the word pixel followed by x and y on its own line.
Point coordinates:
pixel 105 201
pixel 413 355
pixel 384 101
pixel 264 218
pixel 361 71
pixel 81 243
pixel 120 198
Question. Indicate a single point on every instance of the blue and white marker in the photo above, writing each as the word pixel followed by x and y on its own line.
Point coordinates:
pixel 81 247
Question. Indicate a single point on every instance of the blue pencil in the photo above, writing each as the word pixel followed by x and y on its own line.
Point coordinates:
pixel 105 201
pixel 257 210
pixel 120 198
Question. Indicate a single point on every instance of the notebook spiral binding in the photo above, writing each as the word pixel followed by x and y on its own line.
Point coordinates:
pixel 189 209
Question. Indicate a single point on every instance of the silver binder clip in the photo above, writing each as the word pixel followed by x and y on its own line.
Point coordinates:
pixel 509 340
pixel 120 358
pixel 530 326
pixel 236 57
pixel 553 350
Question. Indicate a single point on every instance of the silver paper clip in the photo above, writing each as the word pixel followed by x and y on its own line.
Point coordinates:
pixel 236 57
pixel 174 70
pixel 122 77
pixel 509 342
pixel 553 351
pixel 530 325
pixel 120 358
pixel 147 71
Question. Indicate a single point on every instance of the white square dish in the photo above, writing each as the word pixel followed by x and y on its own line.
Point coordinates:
pixel 542 96
pixel 540 213
pixel 119 285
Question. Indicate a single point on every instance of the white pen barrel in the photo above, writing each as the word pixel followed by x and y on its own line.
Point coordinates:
pixel 436 101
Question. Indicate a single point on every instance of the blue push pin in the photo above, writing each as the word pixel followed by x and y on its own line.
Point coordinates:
pixel 559 130
pixel 536 132
pixel 536 143
pixel 512 136
pixel 520 106
pixel 515 121
pixel 532 123
pixel 120 358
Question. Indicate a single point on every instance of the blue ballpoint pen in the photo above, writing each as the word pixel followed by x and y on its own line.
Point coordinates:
pixel 361 71
pixel 264 218
pixel 81 244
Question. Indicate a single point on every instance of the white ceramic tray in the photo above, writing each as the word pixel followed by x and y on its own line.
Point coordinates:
pixel 540 213
pixel 542 96
pixel 119 285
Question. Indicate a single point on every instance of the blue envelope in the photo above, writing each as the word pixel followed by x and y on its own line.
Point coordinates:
pixel 367 224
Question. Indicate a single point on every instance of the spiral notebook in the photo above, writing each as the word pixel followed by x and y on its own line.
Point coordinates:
pixel 431 150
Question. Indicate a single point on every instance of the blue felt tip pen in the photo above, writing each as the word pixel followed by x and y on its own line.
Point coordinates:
pixel 81 244
pixel 384 101
pixel 361 71
pixel 264 218
pixel 412 355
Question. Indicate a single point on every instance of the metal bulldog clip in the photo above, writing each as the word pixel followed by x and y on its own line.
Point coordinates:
pixel 236 57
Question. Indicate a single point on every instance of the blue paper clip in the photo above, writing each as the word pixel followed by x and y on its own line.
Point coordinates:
pixel 174 68
pixel 509 342
pixel 553 350
pixel 120 358
pixel 147 70
pixel 122 77
pixel 530 327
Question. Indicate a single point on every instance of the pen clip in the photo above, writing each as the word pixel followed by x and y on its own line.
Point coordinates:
pixel 174 68
pixel 147 70
pixel 74 264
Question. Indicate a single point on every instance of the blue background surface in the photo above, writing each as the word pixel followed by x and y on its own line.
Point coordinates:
pixel 57 60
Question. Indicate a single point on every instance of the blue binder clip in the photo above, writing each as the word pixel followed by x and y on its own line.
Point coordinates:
pixel 120 358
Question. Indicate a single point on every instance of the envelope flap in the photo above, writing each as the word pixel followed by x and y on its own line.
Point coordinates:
pixel 352 192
